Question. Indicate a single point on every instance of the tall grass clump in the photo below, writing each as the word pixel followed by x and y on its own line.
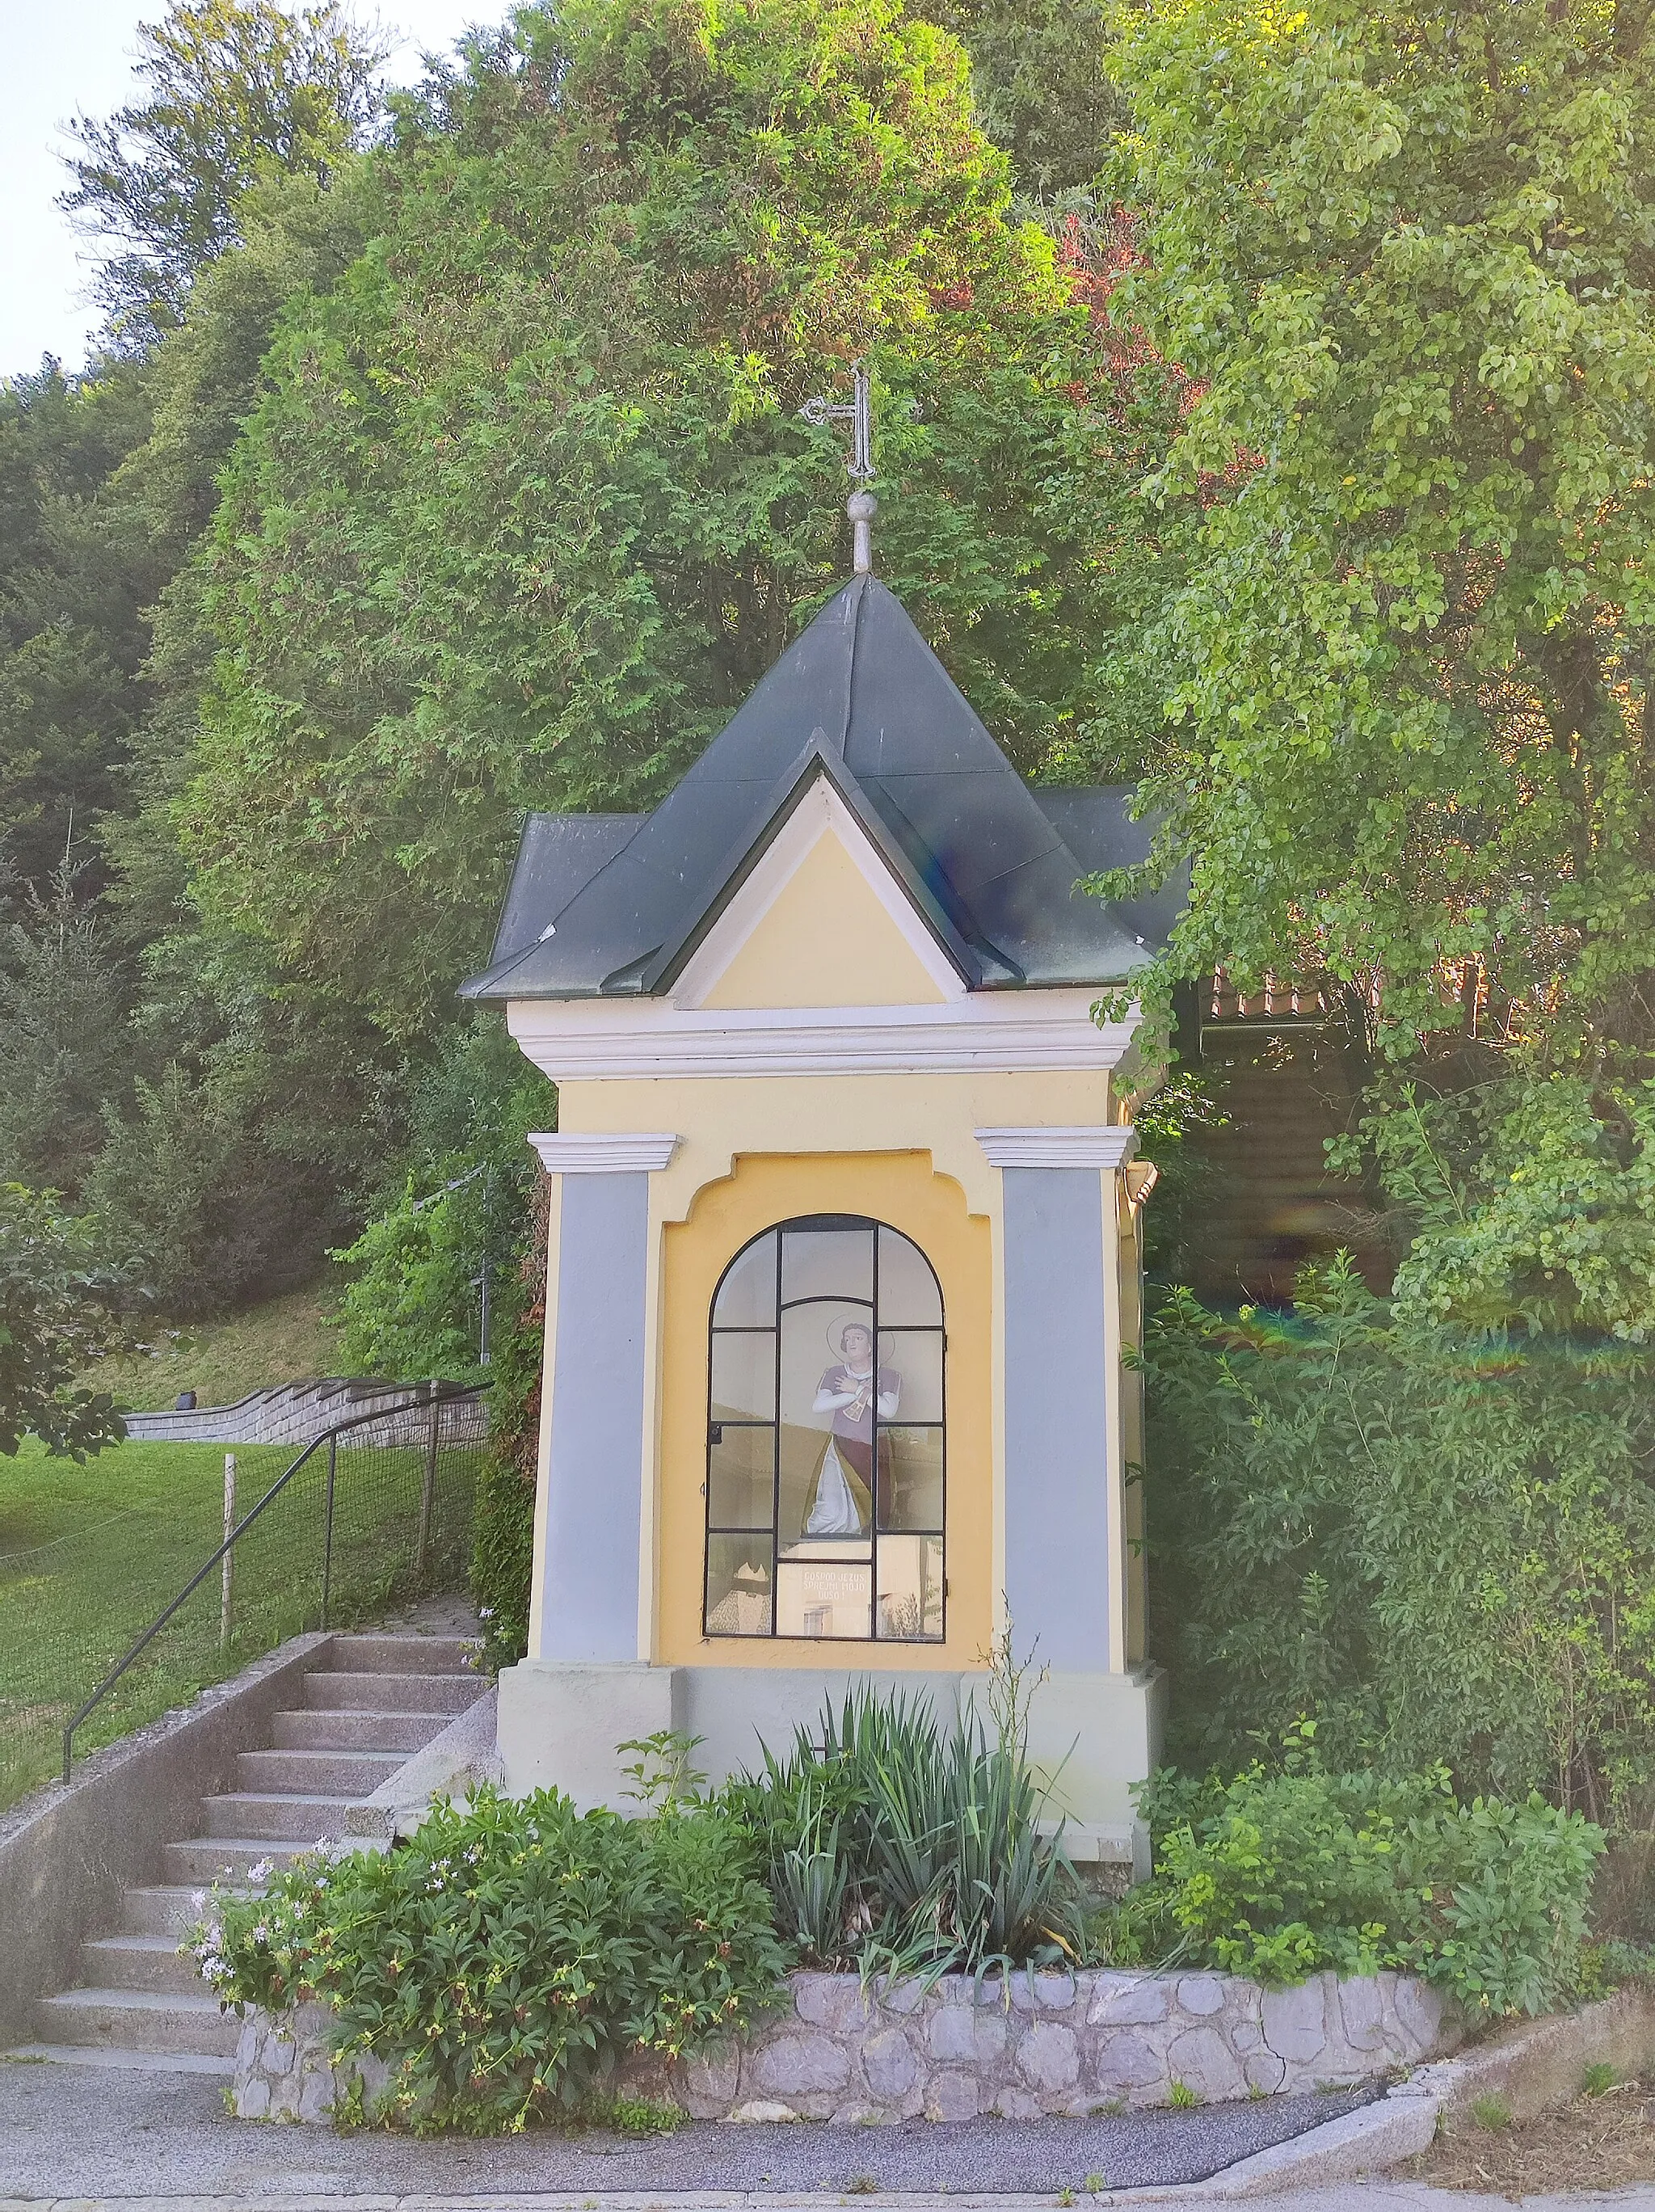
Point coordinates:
pixel 907 1843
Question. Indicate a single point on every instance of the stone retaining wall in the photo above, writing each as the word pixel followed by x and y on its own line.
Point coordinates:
pixel 298 1413
pixel 1046 2044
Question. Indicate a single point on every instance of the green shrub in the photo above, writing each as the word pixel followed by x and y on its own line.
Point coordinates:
pixel 193 1197
pixel 1281 1875
pixel 508 1957
pixel 1440 1545
pixel 461 1206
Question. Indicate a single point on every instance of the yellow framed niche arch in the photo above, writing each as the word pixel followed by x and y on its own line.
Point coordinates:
pixel 904 1192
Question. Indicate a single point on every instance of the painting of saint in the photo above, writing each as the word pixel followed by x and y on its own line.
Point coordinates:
pixel 842 1498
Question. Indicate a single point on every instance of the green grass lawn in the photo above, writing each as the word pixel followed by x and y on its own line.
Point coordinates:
pixel 286 1340
pixel 169 1487
pixel 90 1555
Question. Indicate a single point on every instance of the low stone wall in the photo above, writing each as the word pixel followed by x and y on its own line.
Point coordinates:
pixel 1046 2043
pixel 298 1413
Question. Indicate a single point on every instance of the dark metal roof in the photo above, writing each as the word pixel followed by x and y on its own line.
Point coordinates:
pixel 558 854
pixel 861 699
pixel 1094 821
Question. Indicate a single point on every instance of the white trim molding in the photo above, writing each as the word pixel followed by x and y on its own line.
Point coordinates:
pixel 603 1155
pixel 583 1040
pixel 1059 1148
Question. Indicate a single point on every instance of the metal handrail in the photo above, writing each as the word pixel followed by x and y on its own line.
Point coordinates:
pixel 432 1397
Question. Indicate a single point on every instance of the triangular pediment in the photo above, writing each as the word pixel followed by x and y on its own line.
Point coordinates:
pixel 820 920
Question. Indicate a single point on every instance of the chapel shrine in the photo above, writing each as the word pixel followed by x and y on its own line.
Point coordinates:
pixel 845 1258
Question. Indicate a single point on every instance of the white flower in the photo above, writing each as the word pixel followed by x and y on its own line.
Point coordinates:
pixel 261 1871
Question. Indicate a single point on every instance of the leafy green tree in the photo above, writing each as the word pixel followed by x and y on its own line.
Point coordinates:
pixel 235 88
pixel 1040 83
pixel 218 1180
pixel 527 508
pixel 75 572
pixel 1523 1205
pixel 62 1051
pixel 53 1319
pixel 414 1306
pixel 1405 255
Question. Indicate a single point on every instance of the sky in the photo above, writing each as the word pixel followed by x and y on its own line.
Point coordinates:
pixel 64 57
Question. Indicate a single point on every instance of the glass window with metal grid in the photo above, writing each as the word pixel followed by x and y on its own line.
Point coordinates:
pixel 826 1462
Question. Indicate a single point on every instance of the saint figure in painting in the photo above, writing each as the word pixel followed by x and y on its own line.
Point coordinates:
pixel 842 1501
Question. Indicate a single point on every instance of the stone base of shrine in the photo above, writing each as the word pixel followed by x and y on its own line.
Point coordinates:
pixel 562 1722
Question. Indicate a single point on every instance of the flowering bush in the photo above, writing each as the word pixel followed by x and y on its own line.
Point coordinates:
pixel 506 1958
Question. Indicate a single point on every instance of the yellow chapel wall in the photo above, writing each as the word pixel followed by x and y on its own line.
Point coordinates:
pixel 826 940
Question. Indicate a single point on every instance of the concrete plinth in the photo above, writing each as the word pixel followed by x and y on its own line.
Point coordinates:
pixel 561 1724
pixel 1091 1736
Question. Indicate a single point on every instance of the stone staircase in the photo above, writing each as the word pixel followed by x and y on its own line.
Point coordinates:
pixel 370 1703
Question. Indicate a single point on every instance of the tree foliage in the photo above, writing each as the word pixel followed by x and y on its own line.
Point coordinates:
pixel 1040 83
pixel 61 1048
pixel 1528 1206
pixel 234 89
pixel 52 1320
pixel 413 1304
pixel 527 508
pixel 1405 254
pixel 75 572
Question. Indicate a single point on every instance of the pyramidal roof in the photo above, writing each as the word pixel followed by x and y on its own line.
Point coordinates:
pixel 614 905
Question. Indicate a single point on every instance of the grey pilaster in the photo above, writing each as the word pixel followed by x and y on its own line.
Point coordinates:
pixel 1057 1416
pixel 596 1457
pixel 1064 1575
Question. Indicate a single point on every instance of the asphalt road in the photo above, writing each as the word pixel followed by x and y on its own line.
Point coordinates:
pixel 92 2132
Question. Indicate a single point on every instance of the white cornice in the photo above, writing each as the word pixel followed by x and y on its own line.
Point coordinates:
pixel 1059 1148
pixel 604 1155
pixel 586 1040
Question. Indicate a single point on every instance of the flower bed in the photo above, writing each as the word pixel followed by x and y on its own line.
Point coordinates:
pixel 1044 2043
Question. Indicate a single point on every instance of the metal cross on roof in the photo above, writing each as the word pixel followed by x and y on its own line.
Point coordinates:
pixel 862 506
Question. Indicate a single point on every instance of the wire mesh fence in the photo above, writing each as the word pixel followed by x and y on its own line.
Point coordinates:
pixel 374 1514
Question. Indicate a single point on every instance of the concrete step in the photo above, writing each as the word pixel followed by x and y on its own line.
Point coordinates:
pixel 285 1819
pixel 400 1655
pixel 403 1733
pixel 140 1962
pixel 135 2020
pixel 313 1773
pixel 126 2062
pixel 160 1911
pixel 391 1694
pixel 225 1859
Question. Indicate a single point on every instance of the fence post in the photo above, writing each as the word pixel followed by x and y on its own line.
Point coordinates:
pixel 327 1531
pixel 229 1529
pixel 428 1486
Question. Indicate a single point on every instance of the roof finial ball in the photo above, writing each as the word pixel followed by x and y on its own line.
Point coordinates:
pixel 862 506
